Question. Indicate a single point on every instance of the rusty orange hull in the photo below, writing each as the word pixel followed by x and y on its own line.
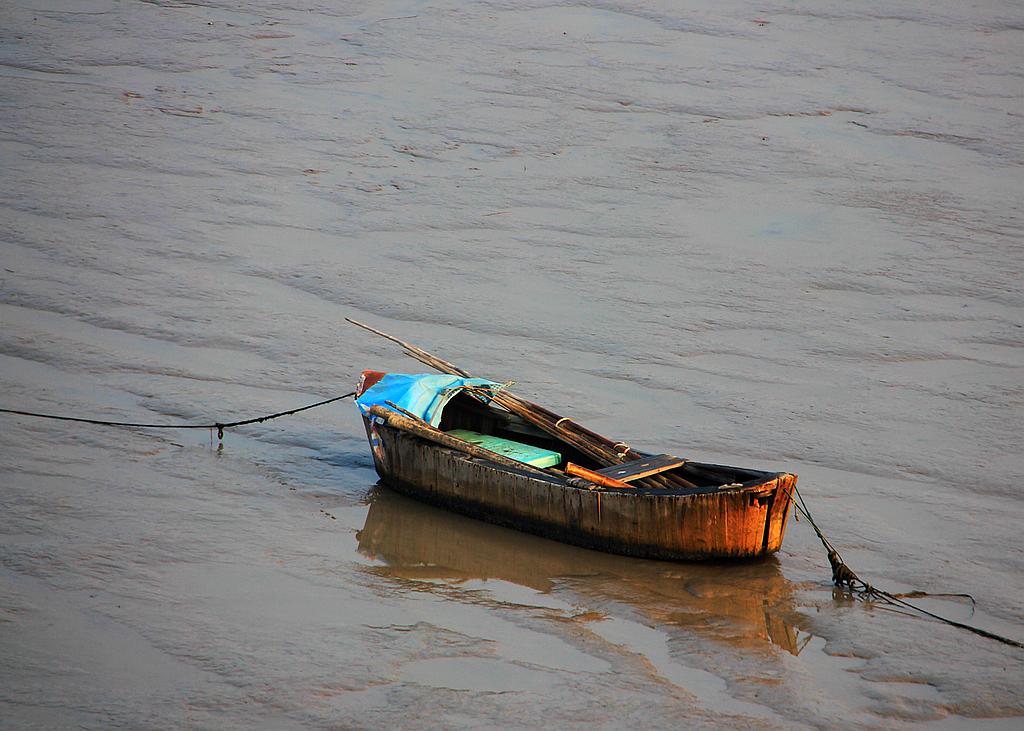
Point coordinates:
pixel 742 520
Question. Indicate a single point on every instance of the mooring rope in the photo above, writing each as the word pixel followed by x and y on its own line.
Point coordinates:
pixel 218 425
pixel 844 576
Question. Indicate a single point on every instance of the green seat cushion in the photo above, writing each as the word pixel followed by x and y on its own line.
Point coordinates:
pixel 514 450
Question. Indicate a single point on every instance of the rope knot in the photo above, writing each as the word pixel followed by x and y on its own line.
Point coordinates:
pixel 841 573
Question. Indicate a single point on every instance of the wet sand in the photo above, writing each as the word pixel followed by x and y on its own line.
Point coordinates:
pixel 780 237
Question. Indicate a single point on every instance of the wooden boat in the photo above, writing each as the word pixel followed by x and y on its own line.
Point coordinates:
pixel 487 462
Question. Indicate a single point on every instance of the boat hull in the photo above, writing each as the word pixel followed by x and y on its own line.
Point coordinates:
pixel 743 522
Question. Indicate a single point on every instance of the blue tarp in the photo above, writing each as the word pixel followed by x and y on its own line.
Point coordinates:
pixel 423 395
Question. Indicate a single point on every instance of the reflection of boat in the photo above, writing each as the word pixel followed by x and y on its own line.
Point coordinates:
pixel 494 456
pixel 747 606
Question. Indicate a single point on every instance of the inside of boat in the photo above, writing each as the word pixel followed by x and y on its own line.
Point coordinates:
pixel 494 428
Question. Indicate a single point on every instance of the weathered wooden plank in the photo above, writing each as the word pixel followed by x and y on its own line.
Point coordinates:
pixel 594 476
pixel 518 451
pixel 638 468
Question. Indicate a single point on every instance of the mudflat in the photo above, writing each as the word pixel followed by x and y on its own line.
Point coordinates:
pixel 779 236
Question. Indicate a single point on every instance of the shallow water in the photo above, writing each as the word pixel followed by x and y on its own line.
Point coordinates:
pixel 774 236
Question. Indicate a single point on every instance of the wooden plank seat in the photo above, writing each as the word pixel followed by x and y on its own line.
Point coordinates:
pixel 629 471
pixel 514 450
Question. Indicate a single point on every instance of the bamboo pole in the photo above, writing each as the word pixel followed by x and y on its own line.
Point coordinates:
pixel 420 354
pixel 598 447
